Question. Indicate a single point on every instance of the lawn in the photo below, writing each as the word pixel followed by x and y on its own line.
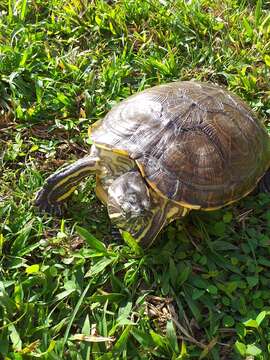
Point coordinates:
pixel 70 288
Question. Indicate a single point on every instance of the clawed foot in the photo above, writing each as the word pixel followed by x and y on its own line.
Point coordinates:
pixel 115 232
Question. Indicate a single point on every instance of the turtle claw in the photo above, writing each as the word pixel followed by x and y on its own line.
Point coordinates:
pixel 115 232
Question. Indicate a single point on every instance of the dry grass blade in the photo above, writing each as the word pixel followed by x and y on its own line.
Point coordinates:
pixel 92 338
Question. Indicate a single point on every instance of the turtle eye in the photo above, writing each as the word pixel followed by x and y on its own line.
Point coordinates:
pixel 132 199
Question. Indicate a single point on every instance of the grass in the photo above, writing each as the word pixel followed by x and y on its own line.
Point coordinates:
pixel 68 289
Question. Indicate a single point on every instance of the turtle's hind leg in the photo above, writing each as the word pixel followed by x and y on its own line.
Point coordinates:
pixel 264 183
pixel 63 182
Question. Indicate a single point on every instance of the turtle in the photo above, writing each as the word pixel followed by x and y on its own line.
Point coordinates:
pixel 165 151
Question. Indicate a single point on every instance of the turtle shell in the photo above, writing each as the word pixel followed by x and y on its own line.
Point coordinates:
pixel 195 143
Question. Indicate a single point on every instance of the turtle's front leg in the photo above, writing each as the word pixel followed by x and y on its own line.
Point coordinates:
pixel 63 182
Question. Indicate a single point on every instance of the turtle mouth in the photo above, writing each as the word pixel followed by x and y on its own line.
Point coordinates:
pixel 131 221
pixel 135 226
pixel 135 215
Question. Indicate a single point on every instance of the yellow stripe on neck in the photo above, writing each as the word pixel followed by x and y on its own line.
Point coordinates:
pixel 67 194
pixel 74 174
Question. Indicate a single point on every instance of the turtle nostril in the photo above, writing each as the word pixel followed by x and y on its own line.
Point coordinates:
pixel 125 207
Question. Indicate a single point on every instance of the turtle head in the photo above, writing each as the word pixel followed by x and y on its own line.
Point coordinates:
pixel 133 208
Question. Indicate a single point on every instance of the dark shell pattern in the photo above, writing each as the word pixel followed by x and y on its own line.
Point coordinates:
pixel 197 143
